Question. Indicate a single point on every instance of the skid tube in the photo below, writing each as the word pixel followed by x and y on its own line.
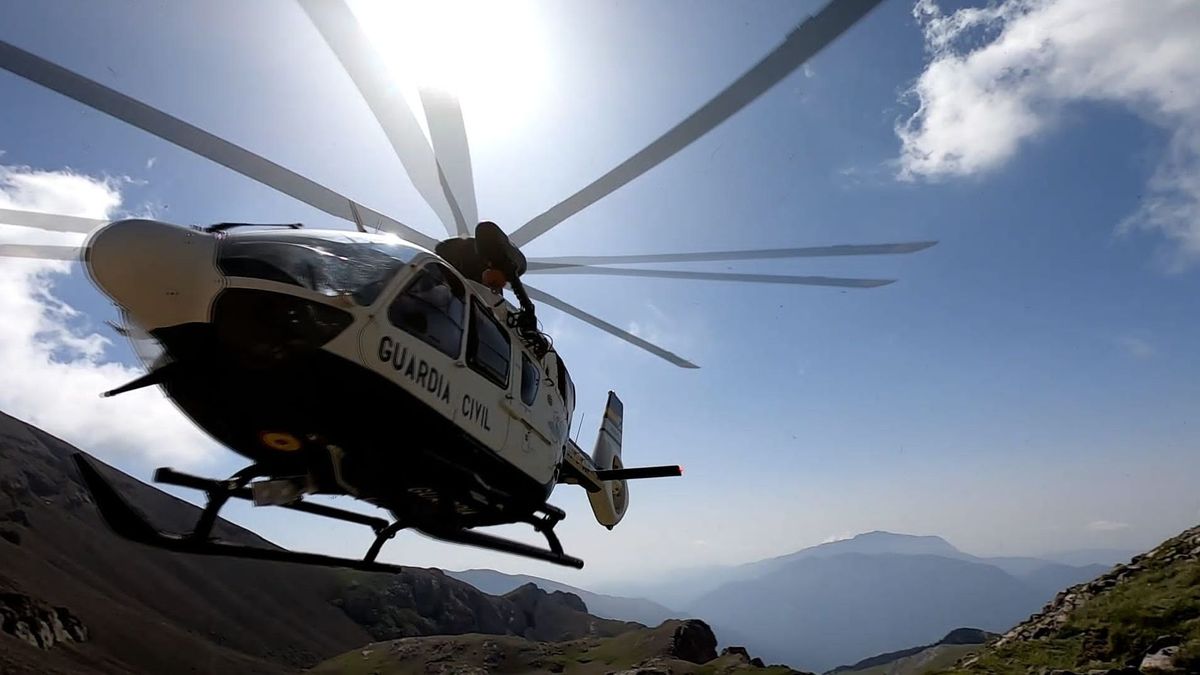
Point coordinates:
pixel 128 523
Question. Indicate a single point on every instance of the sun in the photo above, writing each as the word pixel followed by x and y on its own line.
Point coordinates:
pixel 492 55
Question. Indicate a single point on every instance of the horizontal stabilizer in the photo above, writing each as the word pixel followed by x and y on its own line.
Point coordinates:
pixel 640 472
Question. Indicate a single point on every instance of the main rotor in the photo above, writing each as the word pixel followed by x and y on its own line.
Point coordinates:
pixel 440 168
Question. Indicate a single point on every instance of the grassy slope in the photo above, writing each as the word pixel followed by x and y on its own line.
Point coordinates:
pixel 1117 625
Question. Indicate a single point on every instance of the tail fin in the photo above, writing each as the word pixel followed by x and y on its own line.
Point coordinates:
pixel 612 500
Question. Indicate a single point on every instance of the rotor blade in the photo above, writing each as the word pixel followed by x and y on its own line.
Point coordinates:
pixel 448 132
pixel 49 221
pixel 172 129
pixel 40 251
pixel 801 44
pixel 755 254
pixel 714 276
pixel 543 296
pixel 378 86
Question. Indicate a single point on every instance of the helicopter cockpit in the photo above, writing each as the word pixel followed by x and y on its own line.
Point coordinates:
pixel 359 265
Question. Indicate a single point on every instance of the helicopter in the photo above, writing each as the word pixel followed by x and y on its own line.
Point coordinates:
pixel 381 363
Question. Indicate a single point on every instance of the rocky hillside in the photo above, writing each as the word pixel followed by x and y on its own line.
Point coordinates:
pixel 1140 617
pixel 75 598
pixel 673 648
pixel 643 611
pixel 407 605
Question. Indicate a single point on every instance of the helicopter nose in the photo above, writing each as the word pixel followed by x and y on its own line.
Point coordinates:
pixel 161 274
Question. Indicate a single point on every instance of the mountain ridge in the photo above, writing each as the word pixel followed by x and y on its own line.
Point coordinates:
pixel 683 586
pixel 956 637
pixel 622 608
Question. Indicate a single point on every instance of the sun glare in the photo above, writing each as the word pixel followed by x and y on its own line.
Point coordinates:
pixel 493 55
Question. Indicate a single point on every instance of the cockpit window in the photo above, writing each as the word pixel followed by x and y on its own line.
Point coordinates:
pixel 432 308
pixel 358 267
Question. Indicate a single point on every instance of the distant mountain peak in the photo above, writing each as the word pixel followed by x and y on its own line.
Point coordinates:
pixel 873 542
pixel 884 534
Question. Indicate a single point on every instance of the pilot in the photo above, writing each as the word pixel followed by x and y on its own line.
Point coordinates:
pixel 494 279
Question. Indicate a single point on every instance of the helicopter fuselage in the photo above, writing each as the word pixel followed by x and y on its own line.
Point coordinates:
pixel 352 363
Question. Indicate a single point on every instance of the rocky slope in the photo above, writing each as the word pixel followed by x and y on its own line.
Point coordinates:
pixel 74 598
pixel 673 648
pixel 1140 617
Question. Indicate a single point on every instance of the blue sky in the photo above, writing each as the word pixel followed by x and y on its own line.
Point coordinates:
pixel 1028 385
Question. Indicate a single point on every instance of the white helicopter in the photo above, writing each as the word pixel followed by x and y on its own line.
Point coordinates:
pixel 381 363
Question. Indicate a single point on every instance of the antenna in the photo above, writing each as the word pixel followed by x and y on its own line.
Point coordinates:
pixel 358 221
pixel 580 427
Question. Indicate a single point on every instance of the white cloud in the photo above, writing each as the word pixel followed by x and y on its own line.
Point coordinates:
pixel 64 192
pixel 1136 347
pixel 1001 74
pixel 840 536
pixel 54 362
pixel 1106 526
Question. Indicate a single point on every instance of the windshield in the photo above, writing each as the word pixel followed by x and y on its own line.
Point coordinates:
pixel 360 267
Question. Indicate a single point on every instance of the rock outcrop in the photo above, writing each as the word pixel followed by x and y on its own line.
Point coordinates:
pixel 693 641
pixel 37 623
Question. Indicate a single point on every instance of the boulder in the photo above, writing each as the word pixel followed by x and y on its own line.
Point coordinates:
pixel 1161 661
pixel 693 641
pixel 738 651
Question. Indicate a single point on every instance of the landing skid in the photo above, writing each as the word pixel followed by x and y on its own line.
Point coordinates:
pixel 124 520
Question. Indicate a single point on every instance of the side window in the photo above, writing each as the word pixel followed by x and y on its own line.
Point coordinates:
pixel 565 386
pixel 432 308
pixel 489 350
pixel 530 379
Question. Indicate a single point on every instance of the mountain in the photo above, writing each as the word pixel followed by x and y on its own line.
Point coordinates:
pixel 879 591
pixel 868 543
pixel 640 610
pixel 675 647
pixel 1143 616
pixel 75 598
pixel 956 644
pixel 818 612
pixel 684 587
